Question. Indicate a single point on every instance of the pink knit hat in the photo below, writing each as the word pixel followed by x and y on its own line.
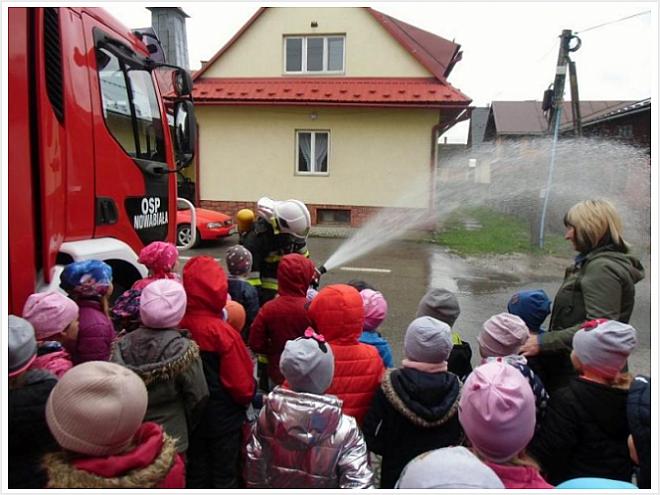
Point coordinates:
pixel 502 335
pixel 375 308
pixel 497 411
pixel 160 258
pixel 162 304
pixel 50 313
pixel 96 408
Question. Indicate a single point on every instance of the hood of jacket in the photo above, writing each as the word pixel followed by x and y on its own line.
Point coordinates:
pixel 625 261
pixel 299 420
pixel 155 355
pixel 146 466
pixel 337 312
pixel 594 396
pixel 294 274
pixel 206 285
pixel 428 400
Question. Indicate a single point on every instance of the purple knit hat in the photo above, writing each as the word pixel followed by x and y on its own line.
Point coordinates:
pixel 375 308
pixel 49 313
pixel 497 411
pixel 239 260
pixel 502 335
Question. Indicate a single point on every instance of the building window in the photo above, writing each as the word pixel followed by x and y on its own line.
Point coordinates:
pixel 312 152
pixel 333 216
pixel 625 131
pixel 314 54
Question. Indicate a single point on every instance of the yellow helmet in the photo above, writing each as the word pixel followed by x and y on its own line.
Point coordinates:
pixel 244 220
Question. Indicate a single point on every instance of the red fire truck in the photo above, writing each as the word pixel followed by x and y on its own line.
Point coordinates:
pixel 91 156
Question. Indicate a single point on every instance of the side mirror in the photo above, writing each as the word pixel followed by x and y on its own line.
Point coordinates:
pixel 185 132
pixel 182 82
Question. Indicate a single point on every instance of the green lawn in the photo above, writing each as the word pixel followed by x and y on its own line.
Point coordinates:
pixel 499 234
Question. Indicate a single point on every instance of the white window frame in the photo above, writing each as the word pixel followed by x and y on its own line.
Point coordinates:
pixel 313 132
pixel 326 55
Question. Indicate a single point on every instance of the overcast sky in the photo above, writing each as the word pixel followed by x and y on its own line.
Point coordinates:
pixel 509 48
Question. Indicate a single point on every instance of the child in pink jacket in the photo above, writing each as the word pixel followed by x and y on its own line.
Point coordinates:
pixel 55 320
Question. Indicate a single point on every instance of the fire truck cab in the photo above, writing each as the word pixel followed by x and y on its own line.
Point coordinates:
pixel 91 157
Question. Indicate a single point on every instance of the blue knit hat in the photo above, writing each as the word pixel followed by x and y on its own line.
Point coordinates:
pixel 88 278
pixel 533 306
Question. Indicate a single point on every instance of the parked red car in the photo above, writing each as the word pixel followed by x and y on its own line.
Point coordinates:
pixel 211 225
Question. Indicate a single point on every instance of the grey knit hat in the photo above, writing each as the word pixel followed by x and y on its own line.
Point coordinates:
pixel 449 467
pixel 427 340
pixel 308 365
pixel 22 345
pixel 441 305
pixel 604 346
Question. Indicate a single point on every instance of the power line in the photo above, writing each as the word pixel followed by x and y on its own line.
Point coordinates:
pixel 612 22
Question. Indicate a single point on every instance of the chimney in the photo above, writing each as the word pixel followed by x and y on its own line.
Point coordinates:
pixel 169 23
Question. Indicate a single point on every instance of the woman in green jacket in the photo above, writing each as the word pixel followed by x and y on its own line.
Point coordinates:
pixel 600 284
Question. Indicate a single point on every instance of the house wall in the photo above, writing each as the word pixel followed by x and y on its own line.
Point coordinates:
pixel 370 50
pixel 375 156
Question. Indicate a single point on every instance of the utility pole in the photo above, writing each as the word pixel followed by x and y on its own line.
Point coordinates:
pixel 554 100
pixel 560 78
pixel 575 99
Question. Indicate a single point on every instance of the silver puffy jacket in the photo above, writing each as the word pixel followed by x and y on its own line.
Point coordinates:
pixel 304 441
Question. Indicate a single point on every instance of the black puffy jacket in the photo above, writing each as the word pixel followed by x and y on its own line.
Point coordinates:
pixel 411 413
pixel 28 435
pixel 584 434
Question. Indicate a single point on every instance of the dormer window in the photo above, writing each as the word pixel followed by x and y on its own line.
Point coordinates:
pixel 314 54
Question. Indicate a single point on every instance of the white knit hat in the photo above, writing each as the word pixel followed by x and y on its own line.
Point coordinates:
pixel 96 408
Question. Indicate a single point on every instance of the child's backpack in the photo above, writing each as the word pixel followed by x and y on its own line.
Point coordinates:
pixel 460 358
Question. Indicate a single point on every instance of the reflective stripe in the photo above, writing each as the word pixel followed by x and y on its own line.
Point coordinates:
pixel 273 258
pixel 269 283
pixel 262 358
pixel 254 279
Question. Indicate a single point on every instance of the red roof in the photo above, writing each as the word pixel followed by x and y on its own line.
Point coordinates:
pixel 335 91
pixel 435 53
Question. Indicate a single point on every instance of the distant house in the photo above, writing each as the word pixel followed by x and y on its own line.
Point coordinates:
pixel 628 121
pixel 338 107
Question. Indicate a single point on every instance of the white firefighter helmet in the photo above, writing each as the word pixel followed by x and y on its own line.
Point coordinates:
pixel 293 218
pixel 266 208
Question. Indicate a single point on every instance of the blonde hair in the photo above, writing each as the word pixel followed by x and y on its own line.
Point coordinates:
pixel 596 224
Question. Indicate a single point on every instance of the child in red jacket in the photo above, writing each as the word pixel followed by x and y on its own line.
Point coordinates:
pixel 95 413
pixel 214 447
pixel 337 313
pixel 285 317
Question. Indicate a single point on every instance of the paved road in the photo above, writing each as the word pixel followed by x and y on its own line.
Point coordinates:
pixel 483 286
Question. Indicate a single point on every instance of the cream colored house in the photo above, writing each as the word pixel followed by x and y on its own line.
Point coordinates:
pixel 339 107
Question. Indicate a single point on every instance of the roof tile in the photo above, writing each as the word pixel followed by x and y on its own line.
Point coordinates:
pixel 429 92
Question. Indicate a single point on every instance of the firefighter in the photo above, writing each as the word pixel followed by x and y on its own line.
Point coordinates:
pixel 281 227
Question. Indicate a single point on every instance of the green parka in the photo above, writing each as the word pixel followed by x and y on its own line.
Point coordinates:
pixel 602 285
pixel 171 367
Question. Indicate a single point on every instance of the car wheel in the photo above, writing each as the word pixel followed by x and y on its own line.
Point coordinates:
pixel 183 234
